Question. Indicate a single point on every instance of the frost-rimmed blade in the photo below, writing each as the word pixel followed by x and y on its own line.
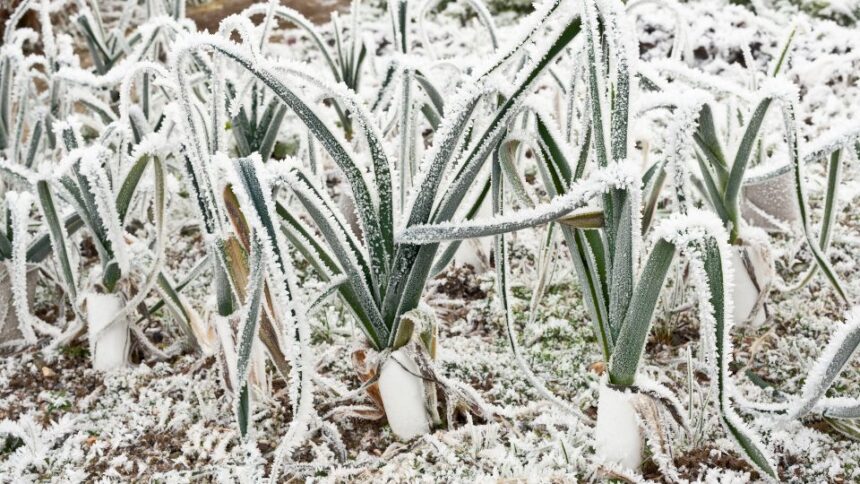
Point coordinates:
pixel 713 189
pixel 129 186
pixel 713 263
pixel 740 163
pixel 623 256
pixel 430 90
pixel 83 198
pixel 821 260
pixel 828 219
pixel 18 205
pixel 88 190
pixel 840 350
pixel 707 140
pixel 248 329
pixel 710 263
pixel 360 292
pixel 614 176
pixel 373 222
pixel 258 196
pixel 296 18
pixel 259 210
pixel 412 266
pixel 630 342
pixel 58 238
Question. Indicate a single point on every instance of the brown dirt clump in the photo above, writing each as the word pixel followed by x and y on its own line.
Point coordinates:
pixel 690 463
pixel 208 15
pixel 459 282
pixel 65 375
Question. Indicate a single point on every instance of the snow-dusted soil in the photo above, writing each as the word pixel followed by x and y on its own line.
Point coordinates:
pixel 171 421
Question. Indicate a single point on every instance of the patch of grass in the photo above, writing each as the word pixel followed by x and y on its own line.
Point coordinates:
pixel 11 444
pixel 75 351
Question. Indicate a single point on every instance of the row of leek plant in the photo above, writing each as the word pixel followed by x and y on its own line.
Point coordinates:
pixel 78 186
pixel 604 243
pixel 380 277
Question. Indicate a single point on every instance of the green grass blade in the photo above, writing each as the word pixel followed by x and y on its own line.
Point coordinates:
pixel 781 59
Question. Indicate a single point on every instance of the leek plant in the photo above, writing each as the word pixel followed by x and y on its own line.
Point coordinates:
pixel 104 303
pixel 378 278
pixel 85 172
pixel 773 198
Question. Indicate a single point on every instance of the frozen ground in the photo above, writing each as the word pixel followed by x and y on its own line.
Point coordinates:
pixel 171 421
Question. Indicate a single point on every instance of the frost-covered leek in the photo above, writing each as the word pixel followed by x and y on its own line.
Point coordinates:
pixel 772 198
pixel 380 278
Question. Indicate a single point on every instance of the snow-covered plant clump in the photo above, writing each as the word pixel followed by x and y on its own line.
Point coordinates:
pixel 326 178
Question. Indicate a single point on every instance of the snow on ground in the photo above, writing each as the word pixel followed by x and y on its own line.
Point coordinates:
pixel 172 421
